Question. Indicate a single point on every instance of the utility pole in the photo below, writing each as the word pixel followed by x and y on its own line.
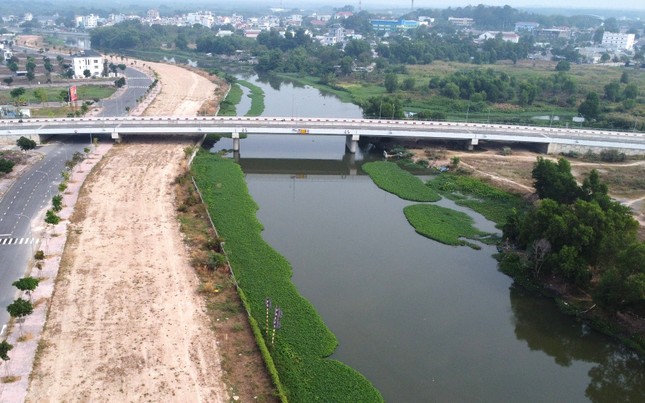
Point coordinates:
pixel 412 7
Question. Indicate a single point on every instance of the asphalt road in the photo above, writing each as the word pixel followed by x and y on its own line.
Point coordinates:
pixel 137 85
pixel 19 226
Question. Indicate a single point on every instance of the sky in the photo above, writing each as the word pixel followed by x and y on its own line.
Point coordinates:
pixel 569 4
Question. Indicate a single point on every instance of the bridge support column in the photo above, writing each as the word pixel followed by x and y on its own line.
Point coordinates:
pixel 236 141
pixel 351 142
pixel 549 148
pixel 116 137
pixel 470 144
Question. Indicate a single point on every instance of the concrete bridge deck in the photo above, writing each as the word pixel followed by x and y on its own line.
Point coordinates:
pixel 551 140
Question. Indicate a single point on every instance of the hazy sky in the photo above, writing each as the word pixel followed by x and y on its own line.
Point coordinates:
pixel 587 4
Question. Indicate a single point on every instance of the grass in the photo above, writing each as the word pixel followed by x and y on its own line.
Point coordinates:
pixel 257 98
pixel 443 224
pixel 586 78
pixel 304 341
pixel 84 92
pixel 391 178
pixel 493 203
pixel 227 107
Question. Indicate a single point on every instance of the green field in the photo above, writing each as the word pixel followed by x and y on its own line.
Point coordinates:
pixel 443 224
pixel 53 94
pixel 391 178
pixel 303 342
pixel 586 78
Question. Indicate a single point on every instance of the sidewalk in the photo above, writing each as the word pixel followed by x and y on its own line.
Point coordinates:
pixel 25 338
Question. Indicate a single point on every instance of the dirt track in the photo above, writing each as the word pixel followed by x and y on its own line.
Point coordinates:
pixel 125 322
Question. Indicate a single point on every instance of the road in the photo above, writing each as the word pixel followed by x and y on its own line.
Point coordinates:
pixel 20 223
pixel 137 85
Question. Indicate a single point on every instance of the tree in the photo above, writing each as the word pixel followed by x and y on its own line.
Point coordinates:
pixel 25 144
pixel 87 73
pixel 57 203
pixel 5 347
pixel 6 165
pixel 590 107
pixel 51 217
pixel 624 78
pixel 40 94
pixel 8 80
pixel 554 181
pixel 355 47
pixel 612 91
pixel 26 285
pixel 605 58
pixel 408 84
pixel 19 309
pixel 391 82
pixel 563 65
pixel 631 91
pixel 16 93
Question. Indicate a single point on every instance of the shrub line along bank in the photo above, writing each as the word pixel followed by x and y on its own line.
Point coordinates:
pixel 300 369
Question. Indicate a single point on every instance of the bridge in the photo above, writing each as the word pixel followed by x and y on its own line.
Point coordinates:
pixel 548 140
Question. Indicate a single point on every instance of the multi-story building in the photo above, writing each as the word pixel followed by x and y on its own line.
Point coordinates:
pixel 617 41
pixel 526 26
pixel 393 25
pixel 87 60
pixel 461 22
pixel 153 14
pixel 87 21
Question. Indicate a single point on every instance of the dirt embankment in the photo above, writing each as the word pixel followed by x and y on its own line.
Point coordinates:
pixel 125 322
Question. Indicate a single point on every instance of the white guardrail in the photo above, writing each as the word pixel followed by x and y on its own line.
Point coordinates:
pixel 318 126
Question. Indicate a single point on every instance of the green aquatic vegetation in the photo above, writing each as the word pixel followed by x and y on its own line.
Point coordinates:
pixel 227 107
pixel 443 224
pixel 297 360
pixel 257 98
pixel 391 178
pixel 493 203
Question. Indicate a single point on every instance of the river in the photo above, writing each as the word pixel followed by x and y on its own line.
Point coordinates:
pixel 423 321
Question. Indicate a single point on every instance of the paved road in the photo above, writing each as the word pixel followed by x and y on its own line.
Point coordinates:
pixel 20 206
pixel 137 85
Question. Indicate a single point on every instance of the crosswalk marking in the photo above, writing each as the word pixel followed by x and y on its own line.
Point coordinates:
pixel 17 241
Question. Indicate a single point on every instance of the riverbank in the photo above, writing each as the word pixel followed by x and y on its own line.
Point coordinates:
pixel 302 342
pixel 497 205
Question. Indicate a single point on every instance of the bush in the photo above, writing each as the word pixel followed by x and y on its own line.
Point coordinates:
pixel 6 166
pixel 57 203
pixel 39 255
pixel 51 217
pixel 612 155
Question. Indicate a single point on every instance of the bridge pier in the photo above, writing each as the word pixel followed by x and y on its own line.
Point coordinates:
pixel 470 144
pixel 351 142
pixel 116 137
pixel 236 141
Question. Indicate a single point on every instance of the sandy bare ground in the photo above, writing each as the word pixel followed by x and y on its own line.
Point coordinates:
pixel 182 92
pixel 125 323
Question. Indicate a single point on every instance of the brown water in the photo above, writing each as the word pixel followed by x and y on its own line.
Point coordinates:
pixel 423 321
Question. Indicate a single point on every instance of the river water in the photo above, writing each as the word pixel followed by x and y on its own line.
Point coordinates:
pixel 423 321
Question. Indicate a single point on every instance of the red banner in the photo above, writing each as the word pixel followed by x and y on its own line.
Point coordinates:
pixel 72 94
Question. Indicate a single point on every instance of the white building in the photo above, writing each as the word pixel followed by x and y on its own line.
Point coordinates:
pixel 205 18
pixel 87 21
pixel 506 36
pixel 612 40
pixel 87 60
